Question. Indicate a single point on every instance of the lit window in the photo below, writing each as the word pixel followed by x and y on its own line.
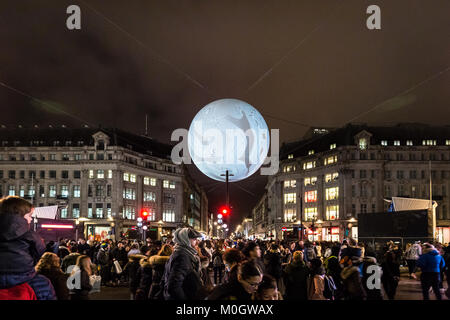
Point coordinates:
pixel 12 191
pixel 363 143
pixel 309 165
pixel 129 212
pixel 22 191
pixel 290 215
pixel 311 196
pixel 110 174
pixel 396 142
pixel 429 142
pixel 150 181
pixel 132 178
pixel 129 193
pixel 149 196
pixel 331 177
pixel 384 142
pixel 330 160
pixel 310 152
pixel 332 146
pixel 169 215
pixel 447 142
pixel 100 174
pixel 75 210
pixel 331 193
pixel 288 168
pixel 52 191
pixel 168 184
pixel 332 212
pixel 310 181
pixel 76 191
pixel 63 213
pixel 310 213
pixel 409 143
pixel 91 174
pixel 65 191
pixel 290 156
pixel 290 183
pixel 290 198
pixel 126 176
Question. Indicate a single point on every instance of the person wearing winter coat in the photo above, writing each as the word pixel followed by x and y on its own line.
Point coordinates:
pixel 351 279
pixel 158 263
pixel 241 288
pixel 391 274
pixel 252 252
pixel 20 249
pixel 104 262
pixel 413 251
pixel 431 263
pixel 333 269
pixel 69 260
pixel 83 271
pixel 132 270
pixel 295 277
pixel 370 262
pixel 272 262
pixel 182 271
pixel 49 267
pixel 316 281
pixel 218 265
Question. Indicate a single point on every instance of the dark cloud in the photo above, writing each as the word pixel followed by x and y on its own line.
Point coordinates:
pixel 169 58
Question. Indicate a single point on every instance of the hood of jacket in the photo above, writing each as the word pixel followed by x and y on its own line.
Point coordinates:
pixel 11 279
pixel 432 251
pixel 158 260
pixel 12 226
pixel 347 272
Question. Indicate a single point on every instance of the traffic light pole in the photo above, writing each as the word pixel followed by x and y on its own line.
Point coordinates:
pixel 228 194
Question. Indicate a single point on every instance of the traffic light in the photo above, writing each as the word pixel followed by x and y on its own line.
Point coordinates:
pixel 144 214
pixel 224 211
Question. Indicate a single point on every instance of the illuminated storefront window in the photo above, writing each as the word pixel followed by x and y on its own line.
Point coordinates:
pixel 310 213
pixel 290 215
pixel 290 198
pixel 331 193
pixel 311 196
pixel 332 212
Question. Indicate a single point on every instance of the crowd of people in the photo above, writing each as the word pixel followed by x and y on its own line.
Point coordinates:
pixel 187 267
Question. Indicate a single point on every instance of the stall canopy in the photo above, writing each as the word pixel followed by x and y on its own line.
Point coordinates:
pixel 45 212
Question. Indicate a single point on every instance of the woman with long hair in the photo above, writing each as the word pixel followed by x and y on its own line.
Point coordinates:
pixel 83 271
pixel 49 266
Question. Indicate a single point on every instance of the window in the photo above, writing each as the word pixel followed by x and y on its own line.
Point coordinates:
pixel 429 142
pixel 100 156
pixel 100 174
pixel 64 213
pixel 363 190
pixel 126 176
pixel 362 143
pixel 52 174
pixel 65 191
pixel 42 174
pixel 330 160
pixel 413 174
pixel 169 215
pixel 11 174
pixel 65 157
pixel 331 193
pixel 332 146
pixel 76 191
pixel 22 174
pixel 290 156
pixel 310 152
pixel 22 191
pixel 399 174
pixel 332 212
pixel 331 177
pixel 99 210
pixel 310 181
pixel 409 142
pixel 363 208
pixel 41 191
pixel 65 174
pixel 311 196
pixel 132 178
pixel 168 184
pixel 76 210
pixel 52 191
pixel 12 191
pixel 129 193
pixel 99 190
pixel 384 142
pixel 91 174
pixel 372 174
pixel 290 183
pixel 52 157
pixel 108 190
pixel 110 174
pixel 362 174
pixel 149 196
pixel 310 213
pixel 77 157
pixel 289 168
pixel 290 215
pixel 447 142
pixel 396 142
pixel 89 190
pixel 387 191
pixel 129 212
pixel 77 174
pixel 290 198
pixel 91 156
pixel 108 210
pixel 309 165
pixel 90 210
pixel 387 174
pixel 150 181
pixel 353 190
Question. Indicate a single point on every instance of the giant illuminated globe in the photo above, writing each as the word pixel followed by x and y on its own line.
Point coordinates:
pixel 228 134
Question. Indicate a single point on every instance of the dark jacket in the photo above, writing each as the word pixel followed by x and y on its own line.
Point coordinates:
pixel 58 280
pixel 181 277
pixel 372 293
pixel 85 288
pixel 353 288
pixel 295 278
pixel 132 269
pixel 120 255
pixel 145 279
pixel 158 264
pixel 70 260
pixel 232 290
pixel 20 247
pixel 272 261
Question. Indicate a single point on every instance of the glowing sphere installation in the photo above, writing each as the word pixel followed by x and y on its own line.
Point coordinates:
pixel 228 134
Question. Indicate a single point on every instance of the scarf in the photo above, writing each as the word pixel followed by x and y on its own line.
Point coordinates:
pixel 182 244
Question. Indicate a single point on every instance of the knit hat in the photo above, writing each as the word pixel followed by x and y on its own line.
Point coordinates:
pixel 104 245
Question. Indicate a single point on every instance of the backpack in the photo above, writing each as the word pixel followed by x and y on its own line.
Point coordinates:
pixel 20 292
pixel 217 262
pixel 329 288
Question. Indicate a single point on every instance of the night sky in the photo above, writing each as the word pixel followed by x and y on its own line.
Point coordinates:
pixel 300 63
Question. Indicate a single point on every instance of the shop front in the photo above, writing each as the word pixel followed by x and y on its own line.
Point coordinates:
pixel 330 234
pixel 443 234
pixel 99 233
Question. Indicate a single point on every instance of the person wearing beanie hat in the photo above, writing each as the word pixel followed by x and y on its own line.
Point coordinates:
pixel 182 272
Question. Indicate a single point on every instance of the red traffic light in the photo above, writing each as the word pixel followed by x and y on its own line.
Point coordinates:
pixel 224 210
pixel 144 213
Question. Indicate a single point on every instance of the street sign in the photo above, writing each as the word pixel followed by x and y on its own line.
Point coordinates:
pixel 284 229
